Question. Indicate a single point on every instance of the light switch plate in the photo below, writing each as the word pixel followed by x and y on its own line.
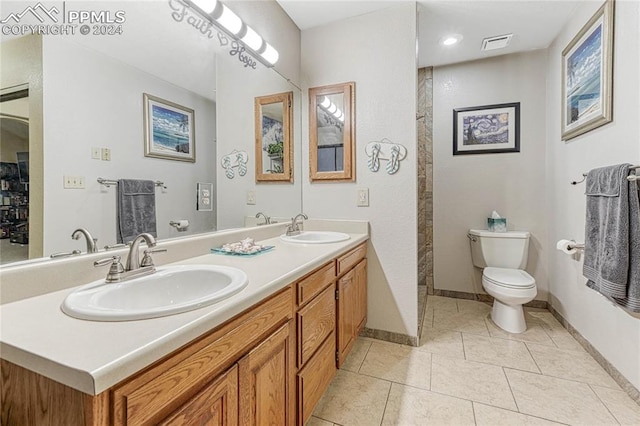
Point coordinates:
pixel 96 153
pixel 363 197
pixel 251 198
pixel 73 182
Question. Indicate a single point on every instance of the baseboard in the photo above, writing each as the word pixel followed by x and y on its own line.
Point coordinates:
pixel 390 336
pixel 591 350
pixel 540 304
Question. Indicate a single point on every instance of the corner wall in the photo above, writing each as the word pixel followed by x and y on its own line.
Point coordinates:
pixel 612 331
pixel 383 66
pixel 468 187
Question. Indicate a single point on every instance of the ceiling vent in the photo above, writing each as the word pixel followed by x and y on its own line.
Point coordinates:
pixel 497 42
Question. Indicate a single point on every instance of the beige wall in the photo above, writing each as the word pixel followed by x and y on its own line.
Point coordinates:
pixel 611 330
pixel 468 187
pixel 377 51
pixel 21 63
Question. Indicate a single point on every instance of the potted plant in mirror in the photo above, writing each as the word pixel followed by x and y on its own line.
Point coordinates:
pixel 275 153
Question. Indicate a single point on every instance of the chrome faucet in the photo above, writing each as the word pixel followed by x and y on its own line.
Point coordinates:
pixel 91 242
pixel 295 227
pixel 133 258
pixel 134 267
pixel 267 219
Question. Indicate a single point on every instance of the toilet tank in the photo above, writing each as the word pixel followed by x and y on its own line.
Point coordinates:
pixel 499 249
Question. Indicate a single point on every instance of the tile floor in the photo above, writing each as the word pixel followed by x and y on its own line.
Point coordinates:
pixel 469 372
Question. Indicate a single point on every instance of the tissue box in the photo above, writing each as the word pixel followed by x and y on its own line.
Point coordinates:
pixel 497 225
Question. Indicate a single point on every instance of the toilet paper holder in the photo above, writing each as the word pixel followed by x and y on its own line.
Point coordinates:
pixel 569 246
pixel 180 225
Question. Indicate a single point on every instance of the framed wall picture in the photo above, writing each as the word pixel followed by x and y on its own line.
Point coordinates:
pixel 486 129
pixel 169 130
pixel 587 75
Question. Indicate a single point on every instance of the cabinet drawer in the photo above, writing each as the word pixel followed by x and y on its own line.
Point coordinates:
pixel 351 259
pixel 315 322
pixel 313 283
pixel 314 378
pixel 159 391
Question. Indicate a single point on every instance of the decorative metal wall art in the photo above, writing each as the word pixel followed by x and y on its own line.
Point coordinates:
pixel 385 150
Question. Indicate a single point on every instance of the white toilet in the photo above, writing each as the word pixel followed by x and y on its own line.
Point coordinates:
pixel 503 255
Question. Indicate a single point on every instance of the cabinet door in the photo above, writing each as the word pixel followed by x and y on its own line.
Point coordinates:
pixel 215 405
pixel 267 380
pixel 347 325
pixel 361 283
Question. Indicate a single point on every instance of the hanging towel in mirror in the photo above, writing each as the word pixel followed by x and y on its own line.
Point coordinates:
pixel 136 208
pixel 612 235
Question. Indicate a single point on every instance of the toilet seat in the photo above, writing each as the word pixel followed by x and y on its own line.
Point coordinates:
pixel 509 278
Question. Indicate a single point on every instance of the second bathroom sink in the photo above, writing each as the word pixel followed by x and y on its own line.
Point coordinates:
pixel 315 237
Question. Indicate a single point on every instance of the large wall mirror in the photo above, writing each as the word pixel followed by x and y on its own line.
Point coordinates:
pixel 332 132
pixel 273 120
pixel 86 95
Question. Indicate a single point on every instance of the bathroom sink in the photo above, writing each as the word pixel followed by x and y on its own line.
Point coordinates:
pixel 315 237
pixel 170 290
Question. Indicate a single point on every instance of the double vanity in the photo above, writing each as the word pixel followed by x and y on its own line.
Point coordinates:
pixel 263 354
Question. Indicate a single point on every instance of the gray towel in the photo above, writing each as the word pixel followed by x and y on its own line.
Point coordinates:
pixel 612 235
pixel 136 208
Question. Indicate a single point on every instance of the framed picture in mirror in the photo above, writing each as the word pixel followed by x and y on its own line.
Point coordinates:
pixel 169 130
pixel 332 132
pixel 273 131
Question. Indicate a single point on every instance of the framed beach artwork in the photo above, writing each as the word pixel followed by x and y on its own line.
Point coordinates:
pixel 486 129
pixel 587 76
pixel 169 130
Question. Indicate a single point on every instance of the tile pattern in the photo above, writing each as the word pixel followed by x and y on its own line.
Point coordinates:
pixel 467 371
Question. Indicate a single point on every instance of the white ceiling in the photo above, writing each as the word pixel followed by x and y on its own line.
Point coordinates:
pixel 534 23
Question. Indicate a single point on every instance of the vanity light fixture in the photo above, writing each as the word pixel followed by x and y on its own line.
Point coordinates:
pixel 332 109
pixel 451 39
pixel 231 24
pixel 252 39
pixel 230 20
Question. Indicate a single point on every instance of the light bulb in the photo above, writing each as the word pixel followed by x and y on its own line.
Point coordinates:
pixel 325 102
pixel 270 54
pixel 207 6
pixel 230 20
pixel 338 112
pixel 340 116
pixel 252 39
pixel 332 108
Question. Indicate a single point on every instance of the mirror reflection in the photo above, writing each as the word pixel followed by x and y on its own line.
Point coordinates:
pixel 86 119
pixel 273 137
pixel 331 132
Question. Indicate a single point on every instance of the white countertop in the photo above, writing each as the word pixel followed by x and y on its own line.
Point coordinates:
pixel 93 356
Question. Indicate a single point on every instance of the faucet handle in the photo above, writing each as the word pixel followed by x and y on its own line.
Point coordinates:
pixel 147 260
pixel 114 271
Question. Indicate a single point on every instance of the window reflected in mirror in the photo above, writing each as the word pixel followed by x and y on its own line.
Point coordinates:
pixel 332 132
pixel 273 118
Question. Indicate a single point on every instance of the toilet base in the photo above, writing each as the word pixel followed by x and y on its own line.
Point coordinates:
pixel 510 318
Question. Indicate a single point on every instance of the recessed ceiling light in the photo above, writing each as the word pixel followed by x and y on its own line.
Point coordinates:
pixel 451 39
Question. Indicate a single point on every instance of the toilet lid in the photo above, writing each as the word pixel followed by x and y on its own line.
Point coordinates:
pixel 512 278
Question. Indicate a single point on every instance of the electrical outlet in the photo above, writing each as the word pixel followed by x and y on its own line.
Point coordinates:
pixel 251 198
pixel 205 194
pixel 363 197
pixel 96 153
pixel 73 182
pixel 106 154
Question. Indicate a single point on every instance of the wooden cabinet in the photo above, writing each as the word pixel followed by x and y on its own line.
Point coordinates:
pixel 315 377
pixel 215 405
pixel 154 394
pixel 352 301
pixel 267 386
